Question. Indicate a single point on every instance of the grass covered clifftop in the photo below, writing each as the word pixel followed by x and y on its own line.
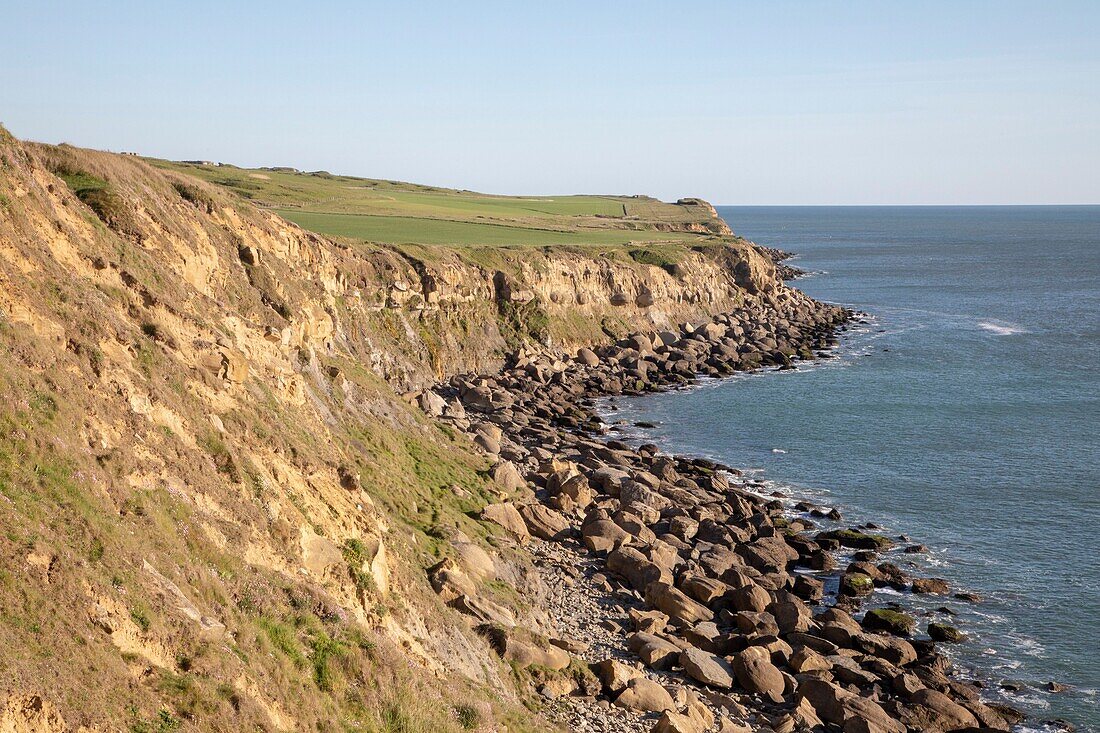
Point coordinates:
pixel 408 213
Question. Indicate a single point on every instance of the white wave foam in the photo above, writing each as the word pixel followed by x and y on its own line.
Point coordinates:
pixel 1001 328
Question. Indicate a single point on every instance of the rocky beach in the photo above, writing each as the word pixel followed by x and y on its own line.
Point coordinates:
pixel 680 597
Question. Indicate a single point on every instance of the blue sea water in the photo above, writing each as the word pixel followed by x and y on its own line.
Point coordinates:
pixel 964 414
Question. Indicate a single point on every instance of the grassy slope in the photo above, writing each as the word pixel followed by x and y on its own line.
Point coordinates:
pixel 94 492
pixel 406 213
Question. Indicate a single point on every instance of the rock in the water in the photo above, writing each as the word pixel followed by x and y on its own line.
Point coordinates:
pixel 895 622
pixel 857 540
pixel 930 585
pixel 856 584
pixel 945 633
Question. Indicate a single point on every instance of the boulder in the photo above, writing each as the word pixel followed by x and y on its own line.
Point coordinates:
pixel 751 598
pixel 652 622
pixel 791 615
pixel 807 660
pixel 635 567
pixel 614 675
pixel 768 554
pixel 507 475
pixel 431 403
pixel 703 589
pixel 894 650
pixel 949 715
pixel 856 584
pixel 507 516
pixel 672 722
pixel 587 357
pixel 698 711
pixel 755 623
pixel 707 668
pixel 681 610
pixel 756 673
pixel 838 706
pixel 707 637
pixel 930 585
pixel 544 522
pixel 577 489
pixel 603 536
pixel 655 652
pixel 487 443
pixel 809 589
pixel 728 726
pixel 645 695
pixel 894 622
pixel 683 527
pixel 857 540
pixel 945 633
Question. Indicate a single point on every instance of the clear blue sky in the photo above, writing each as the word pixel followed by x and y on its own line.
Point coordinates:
pixel 741 103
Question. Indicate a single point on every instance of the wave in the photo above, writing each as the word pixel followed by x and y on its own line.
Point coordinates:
pixel 964 320
pixel 1001 328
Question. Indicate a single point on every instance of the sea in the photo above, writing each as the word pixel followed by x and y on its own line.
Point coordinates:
pixel 964 414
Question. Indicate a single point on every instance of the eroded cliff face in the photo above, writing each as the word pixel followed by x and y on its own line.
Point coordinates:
pixel 215 504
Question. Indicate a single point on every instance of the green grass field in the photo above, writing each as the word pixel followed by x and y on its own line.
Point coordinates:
pixel 392 212
pixel 413 230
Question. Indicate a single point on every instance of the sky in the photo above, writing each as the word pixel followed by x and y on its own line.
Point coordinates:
pixel 739 103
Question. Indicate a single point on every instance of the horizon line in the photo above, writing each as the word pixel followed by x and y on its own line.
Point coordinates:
pixel 903 206
pixel 544 195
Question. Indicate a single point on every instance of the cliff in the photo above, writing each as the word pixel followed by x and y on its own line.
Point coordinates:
pixel 217 506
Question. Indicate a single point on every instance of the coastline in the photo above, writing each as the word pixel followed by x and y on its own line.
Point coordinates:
pixel 692 578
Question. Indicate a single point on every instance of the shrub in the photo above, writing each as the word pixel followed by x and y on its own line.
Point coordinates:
pixel 194 195
pixel 657 259
pixel 98 196
pixel 140 616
